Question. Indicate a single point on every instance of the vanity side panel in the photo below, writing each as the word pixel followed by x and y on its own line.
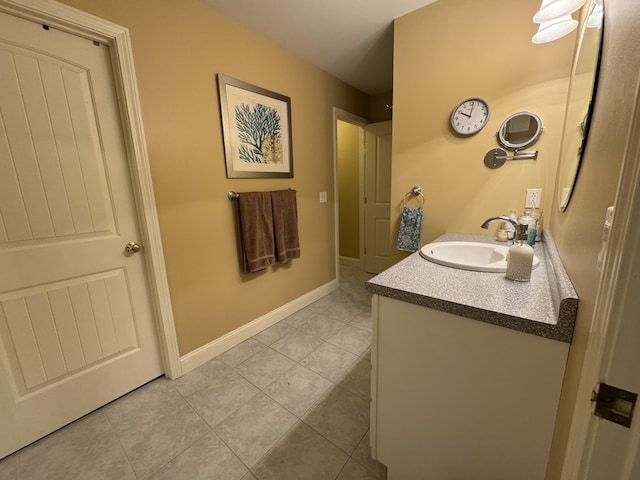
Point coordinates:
pixel 458 398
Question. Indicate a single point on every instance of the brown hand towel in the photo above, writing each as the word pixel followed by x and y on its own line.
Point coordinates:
pixel 285 224
pixel 256 230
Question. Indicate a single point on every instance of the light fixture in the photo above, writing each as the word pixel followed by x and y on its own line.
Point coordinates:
pixel 553 9
pixel 555 29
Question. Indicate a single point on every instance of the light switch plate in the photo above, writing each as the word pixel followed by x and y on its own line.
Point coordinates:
pixel 323 197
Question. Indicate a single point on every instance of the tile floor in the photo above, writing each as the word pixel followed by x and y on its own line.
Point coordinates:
pixel 290 403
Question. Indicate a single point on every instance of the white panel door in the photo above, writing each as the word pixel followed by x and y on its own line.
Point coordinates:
pixel 76 321
pixel 613 451
pixel 377 197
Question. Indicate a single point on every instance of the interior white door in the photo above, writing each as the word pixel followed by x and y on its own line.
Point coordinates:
pixel 76 323
pixel 377 208
pixel 613 451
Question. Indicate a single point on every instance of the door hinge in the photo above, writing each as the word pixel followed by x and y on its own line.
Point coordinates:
pixel 614 404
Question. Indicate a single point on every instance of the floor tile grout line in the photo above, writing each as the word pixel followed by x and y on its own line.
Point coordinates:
pixel 258 386
pixel 342 469
pixel 269 345
pixel 329 440
pixel 298 363
pixel 231 449
pixel 263 390
pixel 320 433
pixel 359 442
pixel 163 465
pixel 292 359
pixel 334 384
pixel 300 418
pixel 212 428
pixel 309 408
pixel 273 445
pixel 115 434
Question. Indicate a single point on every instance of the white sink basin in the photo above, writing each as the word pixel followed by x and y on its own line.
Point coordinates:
pixel 480 257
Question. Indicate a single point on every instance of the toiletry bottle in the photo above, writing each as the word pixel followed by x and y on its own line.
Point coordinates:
pixel 539 225
pixel 520 257
pixel 530 222
pixel 536 214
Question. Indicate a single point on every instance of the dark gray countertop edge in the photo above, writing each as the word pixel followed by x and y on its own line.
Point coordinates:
pixel 563 297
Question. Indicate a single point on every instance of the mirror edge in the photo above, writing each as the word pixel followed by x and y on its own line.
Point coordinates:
pixel 563 202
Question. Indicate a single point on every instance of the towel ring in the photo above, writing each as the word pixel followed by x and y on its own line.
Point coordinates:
pixel 415 191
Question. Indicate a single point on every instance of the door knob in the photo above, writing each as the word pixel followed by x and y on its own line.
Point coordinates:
pixel 132 247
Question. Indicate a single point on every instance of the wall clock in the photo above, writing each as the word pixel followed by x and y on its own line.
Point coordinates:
pixel 470 116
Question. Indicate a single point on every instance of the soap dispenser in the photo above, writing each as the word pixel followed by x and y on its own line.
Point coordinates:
pixel 520 257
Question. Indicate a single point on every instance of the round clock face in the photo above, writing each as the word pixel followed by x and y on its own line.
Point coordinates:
pixel 470 116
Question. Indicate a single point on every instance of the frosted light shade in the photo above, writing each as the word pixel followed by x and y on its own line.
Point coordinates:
pixel 558 28
pixel 552 9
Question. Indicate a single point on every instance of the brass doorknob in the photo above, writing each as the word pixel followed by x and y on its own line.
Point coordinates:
pixel 132 247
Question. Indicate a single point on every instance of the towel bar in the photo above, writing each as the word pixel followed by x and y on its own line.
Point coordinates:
pixel 231 195
pixel 415 191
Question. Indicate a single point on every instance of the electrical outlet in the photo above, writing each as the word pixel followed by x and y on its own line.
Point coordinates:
pixel 533 198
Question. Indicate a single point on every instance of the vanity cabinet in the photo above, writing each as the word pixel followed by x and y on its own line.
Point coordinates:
pixel 454 398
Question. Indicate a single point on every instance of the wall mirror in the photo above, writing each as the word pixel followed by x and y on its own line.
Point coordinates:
pixel 582 89
pixel 520 130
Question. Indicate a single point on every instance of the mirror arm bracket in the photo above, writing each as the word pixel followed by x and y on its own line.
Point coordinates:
pixel 497 157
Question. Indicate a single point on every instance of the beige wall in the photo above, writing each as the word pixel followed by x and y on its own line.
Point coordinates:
pixel 452 50
pixel 381 107
pixel 349 189
pixel 178 48
pixel 578 231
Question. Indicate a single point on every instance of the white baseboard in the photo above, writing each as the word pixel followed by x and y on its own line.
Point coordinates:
pixel 212 349
pixel 349 261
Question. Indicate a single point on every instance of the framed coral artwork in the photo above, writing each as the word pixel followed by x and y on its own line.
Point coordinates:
pixel 256 128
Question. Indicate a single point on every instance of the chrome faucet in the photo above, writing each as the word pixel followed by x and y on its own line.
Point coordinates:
pixel 501 218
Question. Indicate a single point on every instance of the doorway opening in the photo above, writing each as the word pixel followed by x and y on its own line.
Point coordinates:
pixel 350 173
pixel 362 182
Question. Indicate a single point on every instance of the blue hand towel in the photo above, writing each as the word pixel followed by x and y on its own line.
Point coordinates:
pixel 410 229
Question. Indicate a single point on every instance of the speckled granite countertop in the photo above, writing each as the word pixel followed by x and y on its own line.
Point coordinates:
pixel 546 306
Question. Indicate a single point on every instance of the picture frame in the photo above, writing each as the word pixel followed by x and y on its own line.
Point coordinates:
pixel 256 129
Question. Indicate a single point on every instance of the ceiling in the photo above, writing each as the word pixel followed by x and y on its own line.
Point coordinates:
pixel 350 39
